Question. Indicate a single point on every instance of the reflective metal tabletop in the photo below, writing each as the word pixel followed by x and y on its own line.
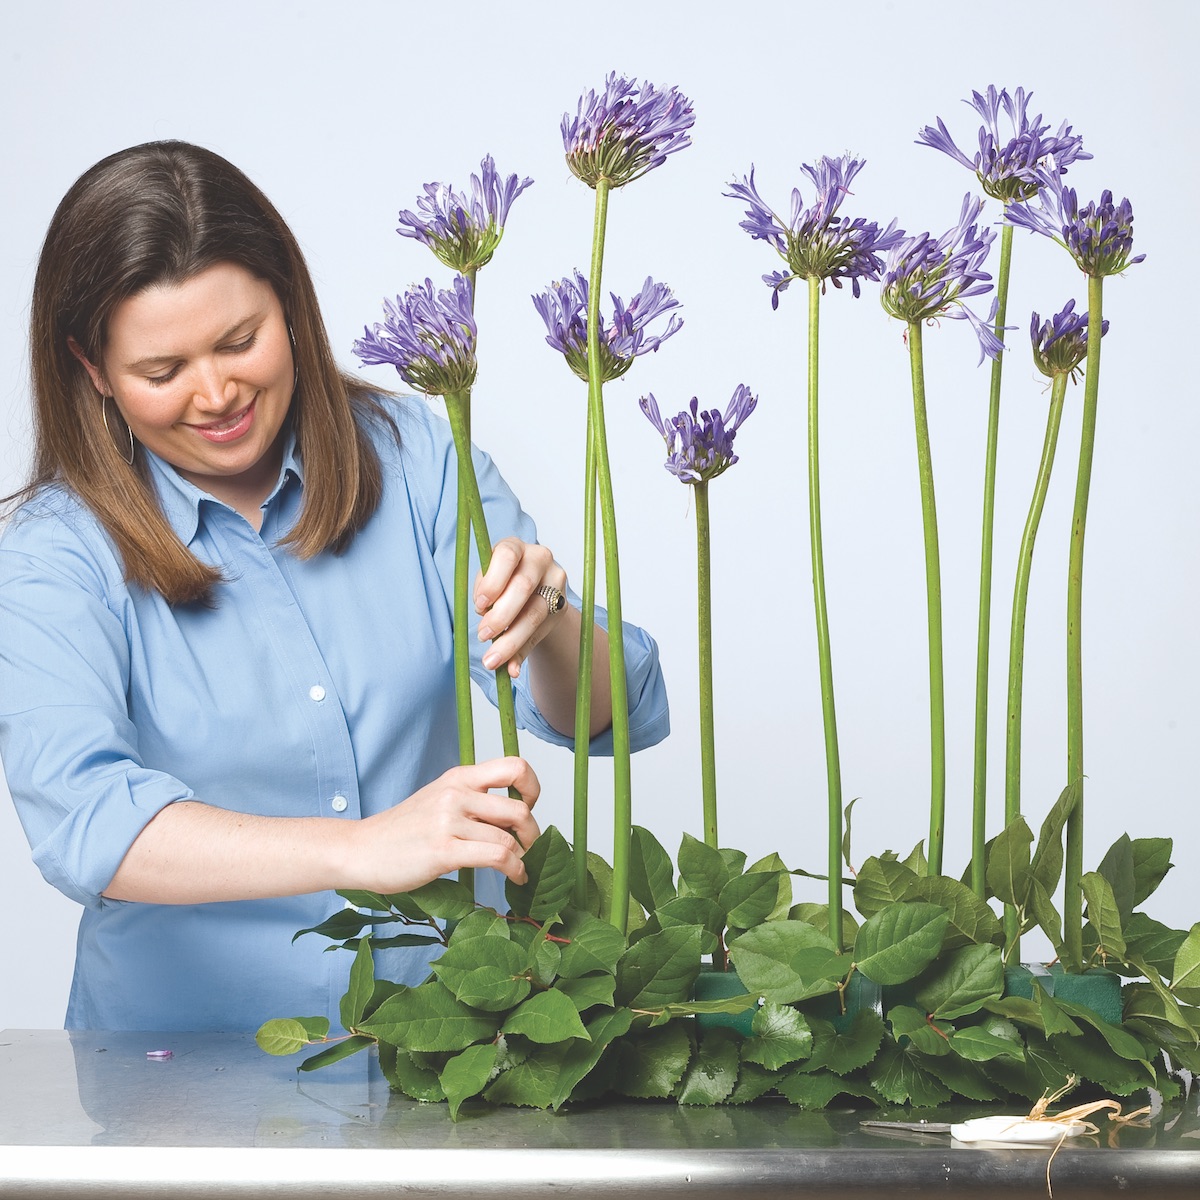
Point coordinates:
pixel 90 1116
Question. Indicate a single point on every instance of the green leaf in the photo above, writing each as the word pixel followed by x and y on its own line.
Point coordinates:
pixel 373 900
pixel 388 943
pixel 753 1081
pixel 787 961
pixel 430 1018
pixel 446 899
pixel 336 1052
pixel 963 981
pixel 756 897
pixel 977 1044
pixel 1119 1042
pixel 846 834
pixel 881 882
pixel 1154 942
pixel 962 1077
pixel 1186 970
pixel 713 1070
pixel 694 910
pixel 817 915
pixel 1047 863
pixel 971 920
pixel 486 973
pixel 1055 1020
pixel 467 1074
pixel 910 1025
pixel 532 1083
pixel 345 923
pixel 1117 867
pixel 595 946
pixel 588 990
pixel 781 1036
pixel 1151 861
pixel 702 869
pixel 1008 873
pixel 405 1075
pixel 900 941
pixel 660 969
pixel 652 1063
pixel 651 874
pixel 551 878
pixel 1103 913
pixel 847 1050
pixel 916 861
pixel 1171 1012
pixel 480 923
pixel 900 1077
pixel 545 1018
pixel 582 1055
pixel 1089 1057
pixel 1042 909
pixel 286 1035
pixel 1017 1008
pixel 544 958
pixel 362 986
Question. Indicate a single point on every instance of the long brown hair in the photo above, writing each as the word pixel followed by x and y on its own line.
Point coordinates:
pixel 155 214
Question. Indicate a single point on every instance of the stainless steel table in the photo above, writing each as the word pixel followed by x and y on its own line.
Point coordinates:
pixel 89 1116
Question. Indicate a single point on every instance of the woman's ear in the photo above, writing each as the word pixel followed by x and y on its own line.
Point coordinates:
pixel 89 366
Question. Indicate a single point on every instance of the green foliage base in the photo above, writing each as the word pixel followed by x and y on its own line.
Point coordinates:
pixel 550 1004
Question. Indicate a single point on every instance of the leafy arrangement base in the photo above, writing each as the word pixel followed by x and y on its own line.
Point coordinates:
pixel 551 1004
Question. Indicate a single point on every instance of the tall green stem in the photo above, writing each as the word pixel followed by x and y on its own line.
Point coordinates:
pixel 833 768
pixel 1073 864
pixel 979 808
pixel 622 788
pixel 462 617
pixel 457 406
pixel 708 737
pixel 583 691
pixel 1016 644
pixel 933 593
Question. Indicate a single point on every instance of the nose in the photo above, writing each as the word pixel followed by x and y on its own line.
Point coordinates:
pixel 214 392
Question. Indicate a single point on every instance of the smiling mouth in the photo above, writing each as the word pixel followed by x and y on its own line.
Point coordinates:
pixel 230 428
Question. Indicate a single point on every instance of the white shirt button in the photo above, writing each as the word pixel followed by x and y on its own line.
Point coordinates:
pixel 339 803
pixel 316 692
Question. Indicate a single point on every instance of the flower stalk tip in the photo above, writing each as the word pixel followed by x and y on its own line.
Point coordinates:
pixel 700 444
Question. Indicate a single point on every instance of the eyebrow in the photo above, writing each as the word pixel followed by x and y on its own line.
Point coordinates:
pixel 156 359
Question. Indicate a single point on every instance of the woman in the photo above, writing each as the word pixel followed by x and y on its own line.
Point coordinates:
pixel 226 652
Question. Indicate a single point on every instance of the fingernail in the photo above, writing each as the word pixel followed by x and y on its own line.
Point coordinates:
pixel 491 660
pixel 481 603
pixel 485 633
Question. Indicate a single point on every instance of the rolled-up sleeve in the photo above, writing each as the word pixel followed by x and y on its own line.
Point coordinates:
pixel 69 749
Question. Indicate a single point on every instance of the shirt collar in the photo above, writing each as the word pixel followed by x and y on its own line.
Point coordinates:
pixel 181 500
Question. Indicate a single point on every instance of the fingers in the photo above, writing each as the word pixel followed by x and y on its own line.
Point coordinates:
pixel 513 615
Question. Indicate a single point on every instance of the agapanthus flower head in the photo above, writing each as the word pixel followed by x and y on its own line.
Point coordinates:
pixel 700 444
pixel 563 307
pixel 927 277
pixel 624 131
pixel 1009 167
pixel 464 231
pixel 1099 236
pixel 1060 345
pixel 428 336
pixel 816 242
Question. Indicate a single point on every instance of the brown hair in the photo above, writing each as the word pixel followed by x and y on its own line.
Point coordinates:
pixel 161 213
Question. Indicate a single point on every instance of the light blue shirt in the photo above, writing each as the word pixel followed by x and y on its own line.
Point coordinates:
pixel 312 688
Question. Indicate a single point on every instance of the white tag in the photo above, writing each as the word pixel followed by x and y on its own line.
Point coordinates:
pixel 1015 1131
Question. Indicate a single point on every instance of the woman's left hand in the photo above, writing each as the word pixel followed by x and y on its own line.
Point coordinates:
pixel 513 616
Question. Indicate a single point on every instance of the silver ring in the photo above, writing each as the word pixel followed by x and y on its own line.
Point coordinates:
pixel 555 600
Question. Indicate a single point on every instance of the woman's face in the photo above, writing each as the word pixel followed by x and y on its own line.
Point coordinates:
pixel 203 373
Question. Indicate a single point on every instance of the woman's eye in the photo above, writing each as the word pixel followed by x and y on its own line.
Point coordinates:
pixel 159 380
pixel 243 346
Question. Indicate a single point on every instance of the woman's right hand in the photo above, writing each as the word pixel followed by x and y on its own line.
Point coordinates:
pixel 453 822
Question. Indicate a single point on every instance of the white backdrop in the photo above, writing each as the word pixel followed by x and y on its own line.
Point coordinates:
pixel 341 113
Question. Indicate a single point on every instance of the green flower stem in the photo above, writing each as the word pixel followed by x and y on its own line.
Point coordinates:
pixel 833 769
pixel 457 407
pixel 1016 645
pixel 979 808
pixel 708 737
pixel 1073 865
pixel 622 787
pixel 462 619
pixel 933 592
pixel 583 690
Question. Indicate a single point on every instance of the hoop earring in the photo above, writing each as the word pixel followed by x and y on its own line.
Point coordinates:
pixel 104 416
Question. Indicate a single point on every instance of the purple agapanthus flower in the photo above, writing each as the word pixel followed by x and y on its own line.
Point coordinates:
pixel 816 243
pixel 624 131
pixel 1060 345
pixel 1099 237
pixel 428 336
pixel 927 277
pixel 464 231
pixel 563 307
pixel 1009 169
pixel 700 444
